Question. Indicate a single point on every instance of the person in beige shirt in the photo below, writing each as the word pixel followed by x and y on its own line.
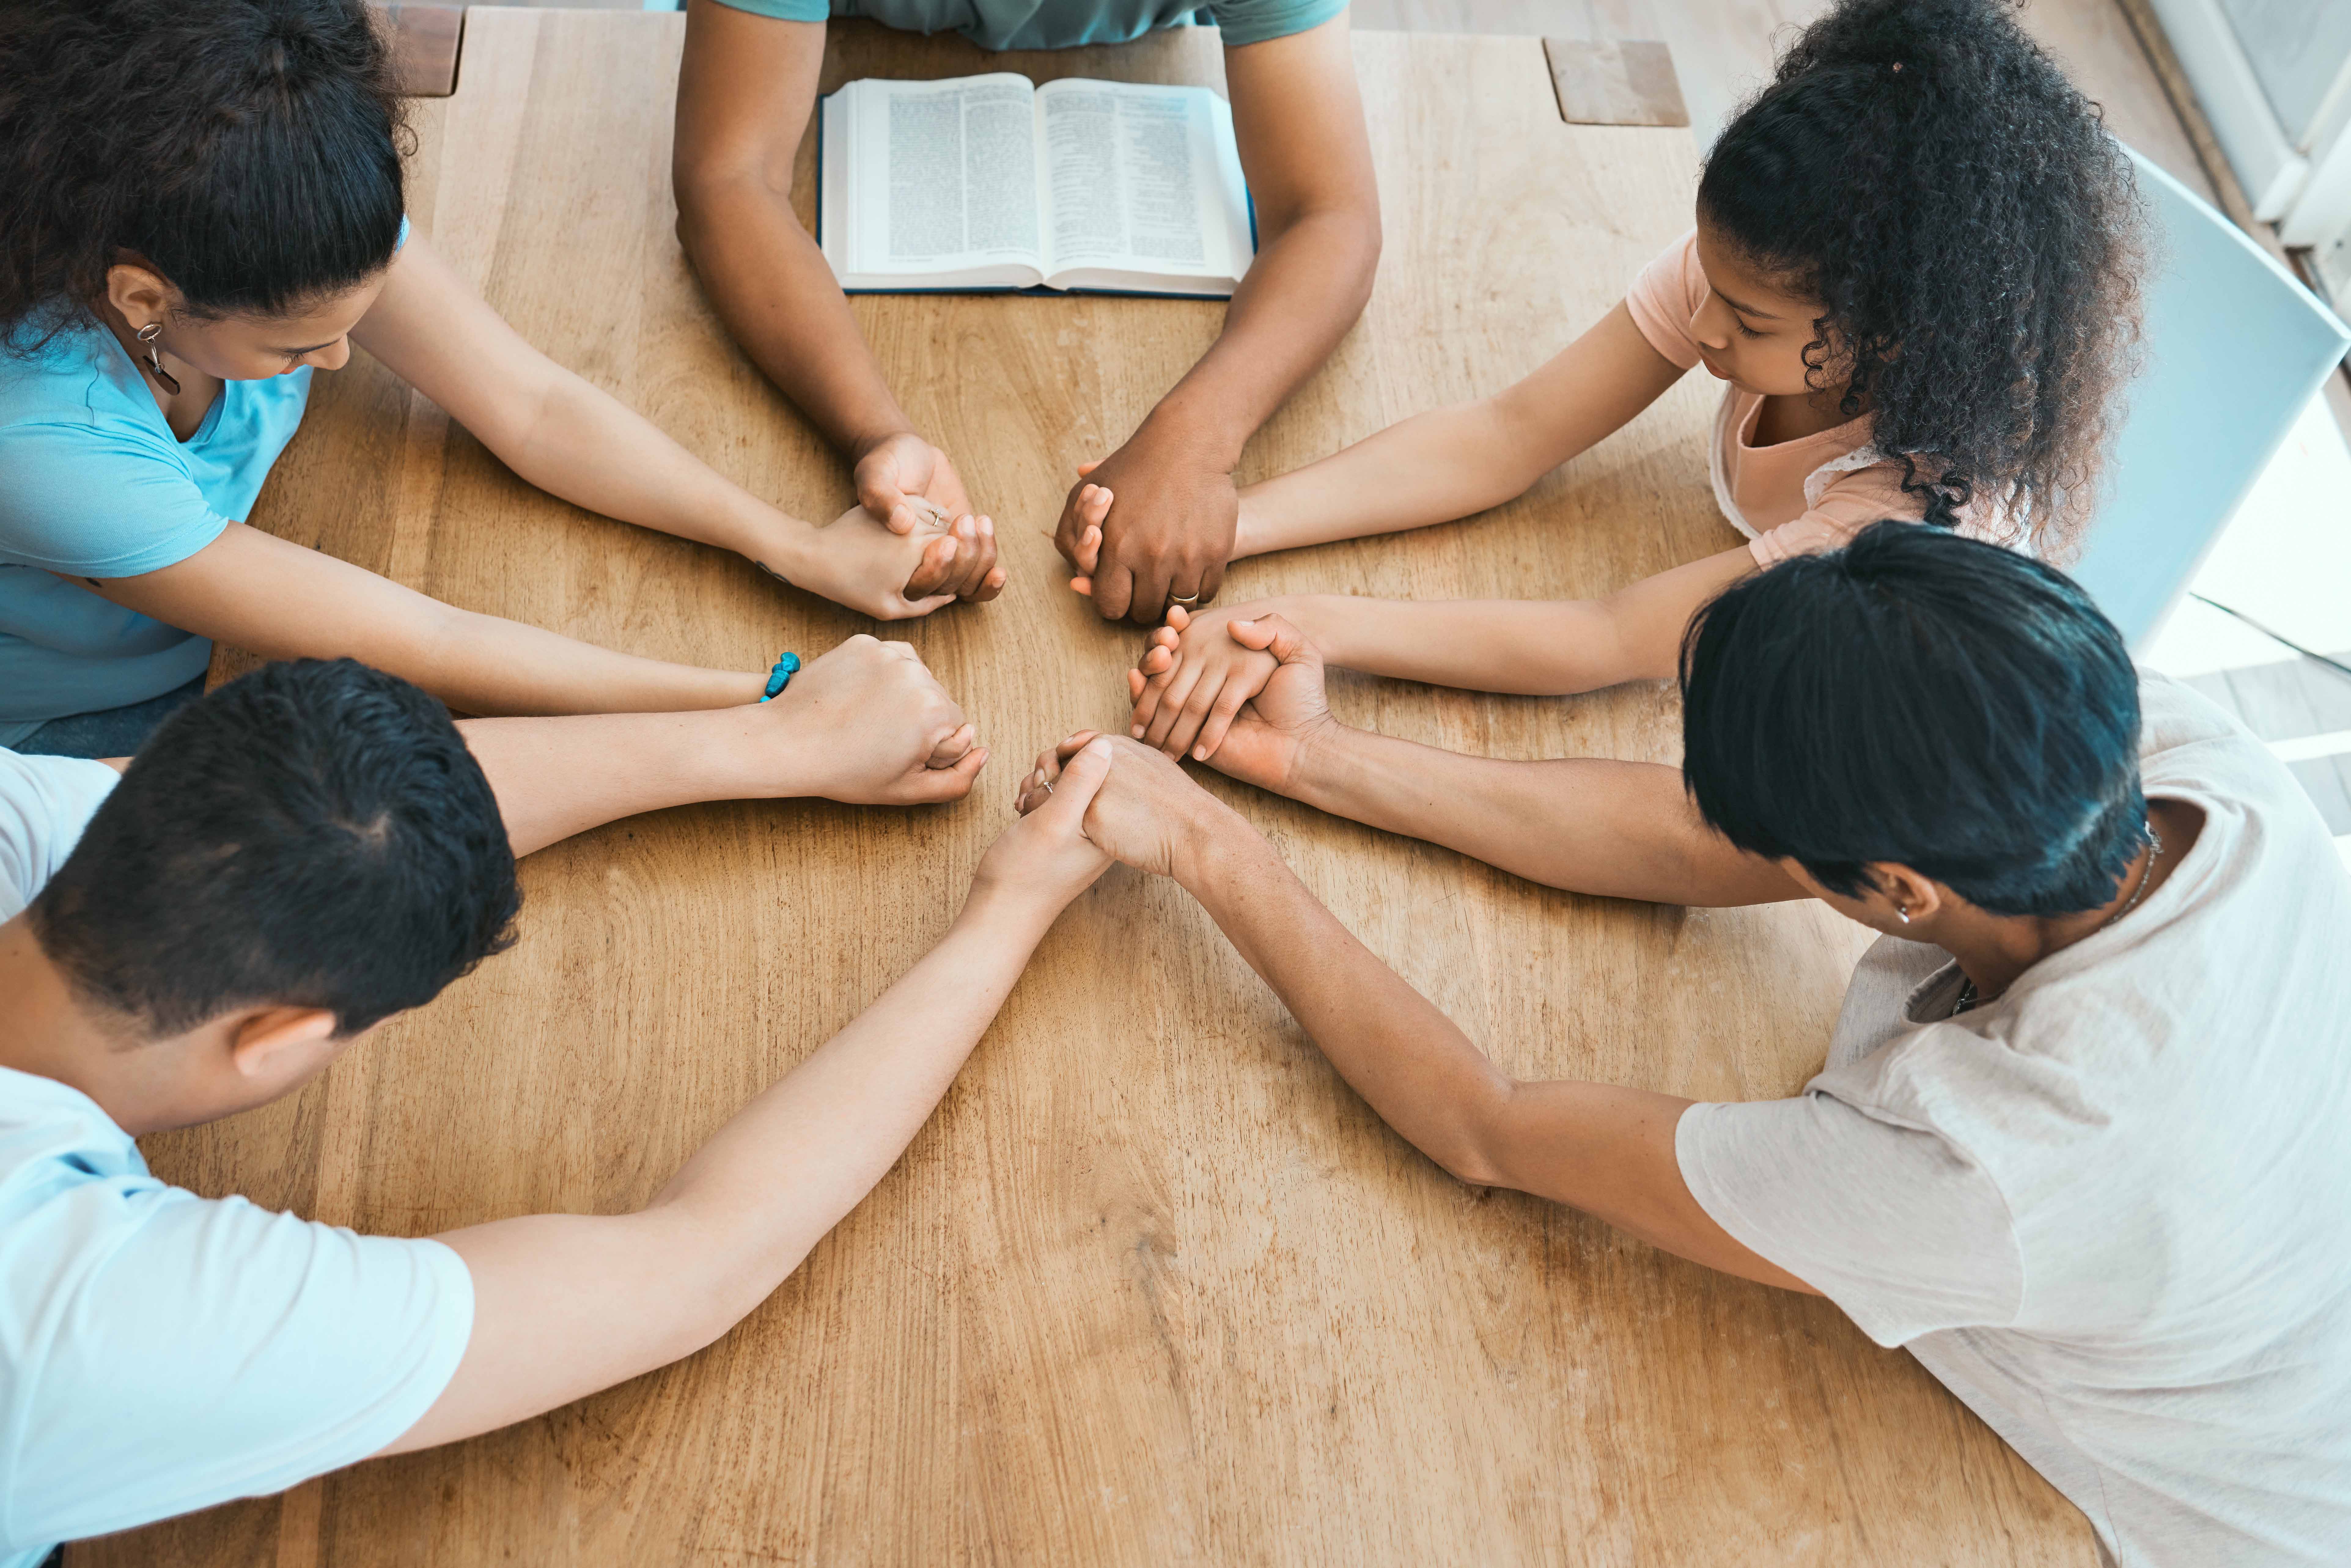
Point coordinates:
pixel 2079 1141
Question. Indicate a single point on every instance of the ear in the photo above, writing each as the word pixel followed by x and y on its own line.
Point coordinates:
pixel 1907 892
pixel 139 292
pixel 277 1043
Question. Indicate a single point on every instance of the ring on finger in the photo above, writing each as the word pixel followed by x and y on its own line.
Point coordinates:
pixel 1188 600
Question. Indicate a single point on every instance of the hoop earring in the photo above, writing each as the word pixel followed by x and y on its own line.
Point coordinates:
pixel 147 335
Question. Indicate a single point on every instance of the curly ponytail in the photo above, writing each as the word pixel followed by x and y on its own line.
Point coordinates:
pixel 250 149
pixel 1974 238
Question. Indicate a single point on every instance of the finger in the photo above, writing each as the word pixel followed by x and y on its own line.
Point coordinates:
pixel 1089 548
pixel 1113 590
pixel 1220 719
pixel 1093 505
pixel 1074 791
pixel 1212 578
pixel 1273 635
pixel 1148 600
pixel 1158 661
pixel 1178 617
pixel 1088 466
pixel 1069 748
pixel 991 581
pixel 952 747
pixel 947 783
pixel 881 494
pixel 975 556
pixel 906 609
pixel 1185 731
pixel 933 572
pixel 1085 585
pixel 1154 692
pixel 1160 733
pixel 1135 684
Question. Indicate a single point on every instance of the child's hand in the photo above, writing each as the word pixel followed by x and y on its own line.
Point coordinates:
pixel 1093 505
pixel 1046 858
pixel 1193 678
pixel 856 561
pixel 869 724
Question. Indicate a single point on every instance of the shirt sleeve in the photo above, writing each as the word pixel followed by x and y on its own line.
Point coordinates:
pixel 1848 504
pixel 1244 22
pixel 1894 1224
pixel 44 804
pixel 784 10
pixel 89 501
pixel 190 1351
pixel 1665 297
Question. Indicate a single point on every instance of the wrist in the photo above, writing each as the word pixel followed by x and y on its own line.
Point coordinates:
pixel 788 546
pixel 1198 435
pixel 862 441
pixel 1211 841
pixel 1010 908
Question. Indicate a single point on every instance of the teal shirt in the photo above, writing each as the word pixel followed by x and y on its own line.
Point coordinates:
pixel 1060 23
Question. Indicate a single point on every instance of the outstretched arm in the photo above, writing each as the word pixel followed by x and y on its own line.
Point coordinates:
pixel 1452 462
pixel 745 91
pixel 567 1304
pixel 866 724
pixel 1298 118
pixel 571 439
pixel 1606 1150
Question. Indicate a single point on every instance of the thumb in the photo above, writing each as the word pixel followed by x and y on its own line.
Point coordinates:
pixel 948 783
pixel 1088 466
pixel 1082 778
pixel 1273 635
pixel 878 492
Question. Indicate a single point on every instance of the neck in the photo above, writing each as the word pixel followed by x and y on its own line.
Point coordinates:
pixel 44 1031
pixel 1993 950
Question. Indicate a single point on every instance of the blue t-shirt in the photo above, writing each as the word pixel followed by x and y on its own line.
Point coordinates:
pixel 1061 24
pixel 162 1352
pixel 98 485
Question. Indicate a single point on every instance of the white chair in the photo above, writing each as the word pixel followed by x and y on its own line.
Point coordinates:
pixel 2235 348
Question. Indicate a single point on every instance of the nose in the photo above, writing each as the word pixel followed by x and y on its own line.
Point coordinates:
pixel 333 356
pixel 1711 324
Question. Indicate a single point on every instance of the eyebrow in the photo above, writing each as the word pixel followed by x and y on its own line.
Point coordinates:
pixel 1743 310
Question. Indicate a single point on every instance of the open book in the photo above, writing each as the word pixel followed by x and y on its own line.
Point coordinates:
pixel 989 182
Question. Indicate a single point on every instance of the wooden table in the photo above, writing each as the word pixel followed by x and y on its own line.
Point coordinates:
pixel 1153 1287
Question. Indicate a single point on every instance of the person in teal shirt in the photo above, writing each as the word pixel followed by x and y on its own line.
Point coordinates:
pixel 205 205
pixel 1152 523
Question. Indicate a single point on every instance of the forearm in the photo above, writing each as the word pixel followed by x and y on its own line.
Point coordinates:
pixel 1533 647
pixel 1430 468
pixel 799 1156
pixel 1606 1150
pixel 1621 830
pixel 778 298
pixel 556 777
pixel 1302 292
pixel 594 450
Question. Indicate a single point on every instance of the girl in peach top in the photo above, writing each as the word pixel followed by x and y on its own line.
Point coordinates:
pixel 1915 264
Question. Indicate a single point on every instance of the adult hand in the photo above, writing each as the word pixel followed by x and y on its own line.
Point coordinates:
pixel 1147 812
pixel 909 484
pixel 1045 856
pixel 1275 732
pixel 1168 531
pixel 867 724
pixel 855 561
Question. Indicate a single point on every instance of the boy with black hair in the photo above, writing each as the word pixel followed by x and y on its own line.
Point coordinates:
pixel 2079 1140
pixel 294 858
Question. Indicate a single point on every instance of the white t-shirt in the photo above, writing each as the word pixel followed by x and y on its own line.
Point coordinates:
pixel 159 1351
pixel 2112 1210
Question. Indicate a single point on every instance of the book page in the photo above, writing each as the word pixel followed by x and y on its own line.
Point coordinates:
pixel 943 174
pixel 1135 182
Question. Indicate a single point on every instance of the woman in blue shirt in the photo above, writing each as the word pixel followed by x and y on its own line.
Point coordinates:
pixel 199 203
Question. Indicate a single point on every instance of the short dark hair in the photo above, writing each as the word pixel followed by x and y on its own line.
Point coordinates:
pixel 315 834
pixel 248 149
pixel 1973 235
pixel 1923 699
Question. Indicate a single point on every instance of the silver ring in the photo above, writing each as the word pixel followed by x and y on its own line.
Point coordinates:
pixel 1180 599
pixel 1046 784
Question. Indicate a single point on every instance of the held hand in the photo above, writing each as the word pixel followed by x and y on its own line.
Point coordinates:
pixel 1167 534
pixel 1045 855
pixel 909 484
pixel 855 561
pixel 875 727
pixel 1145 812
pixel 1193 679
pixel 1275 730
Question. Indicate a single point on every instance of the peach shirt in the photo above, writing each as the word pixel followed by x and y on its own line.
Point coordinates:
pixel 1795 497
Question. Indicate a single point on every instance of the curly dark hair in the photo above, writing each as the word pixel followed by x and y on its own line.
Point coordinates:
pixel 248 150
pixel 1974 238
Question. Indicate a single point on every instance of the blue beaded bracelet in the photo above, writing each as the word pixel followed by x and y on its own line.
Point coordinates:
pixel 781 676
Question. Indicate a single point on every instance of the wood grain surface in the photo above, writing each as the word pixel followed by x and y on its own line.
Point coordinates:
pixel 1153 1287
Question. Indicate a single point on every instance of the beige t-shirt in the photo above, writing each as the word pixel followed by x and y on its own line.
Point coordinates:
pixel 1794 497
pixel 2111 1211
